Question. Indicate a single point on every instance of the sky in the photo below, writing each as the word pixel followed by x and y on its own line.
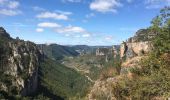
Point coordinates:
pixel 77 22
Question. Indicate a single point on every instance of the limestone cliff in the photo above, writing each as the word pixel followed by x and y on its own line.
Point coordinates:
pixel 133 49
pixel 19 63
pixel 131 53
pixel 136 46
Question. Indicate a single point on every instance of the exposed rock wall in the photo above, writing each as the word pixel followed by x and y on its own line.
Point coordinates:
pixel 130 50
pixel 135 49
pixel 123 49
pixel 131 53
pixel 20 61
pixel 31 84
pixel 137 45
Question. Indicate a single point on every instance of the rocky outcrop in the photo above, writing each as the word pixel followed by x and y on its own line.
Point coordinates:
pixel 134 50
pixel 130 50
pixel 19 60
pixel 142 35
pixel 104 89
pixel 131 53
pixel 137 45
pixel 123 49
pixel 4 33
pixel 115 51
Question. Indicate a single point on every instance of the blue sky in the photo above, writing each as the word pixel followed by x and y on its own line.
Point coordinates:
pixel 72 22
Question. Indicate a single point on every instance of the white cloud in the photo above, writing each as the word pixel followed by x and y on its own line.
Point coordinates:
pixel 67 35
pixel 74 31
pixel 13 4
pixel 70 29
pixel 9 4
pixel 3 2
pixel 36 8
pixel 39 30
pixel 9 12
pixel 154 4
pixel 48 25
pixel 52 15
pixel 86 35
pixel 77 36
pixel 64 12
pixel 9 7
pixel 105 5
pixel 109 38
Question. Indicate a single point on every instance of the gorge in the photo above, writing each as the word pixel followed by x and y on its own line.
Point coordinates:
pixel 137 69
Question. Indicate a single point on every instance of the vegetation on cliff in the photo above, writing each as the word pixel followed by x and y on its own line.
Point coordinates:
pixel 58 74
pixel 19 62
pixel 152 79
pixel 149 77
pixel 62 81
pixel 57 52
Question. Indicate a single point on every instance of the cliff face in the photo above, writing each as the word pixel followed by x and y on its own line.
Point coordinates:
pixel 131 53
pixel 19 63
pixel 138 45
pixel 133 49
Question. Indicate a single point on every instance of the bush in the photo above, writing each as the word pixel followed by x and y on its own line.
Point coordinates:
pixel 153 78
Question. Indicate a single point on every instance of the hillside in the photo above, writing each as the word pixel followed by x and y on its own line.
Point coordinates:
pixel 62 81
pixel 137 69
pixel 145 66
pixel 57 52
pixel 28 73
pixel 19 65
pixel 85 49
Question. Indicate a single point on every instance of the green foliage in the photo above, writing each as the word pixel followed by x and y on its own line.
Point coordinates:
pixel 153 78
pixel 41 97
pixel 156 22
pixel 162 41
pixel 58 52
pixel 4 51
pixel 62 81
pixel 151 81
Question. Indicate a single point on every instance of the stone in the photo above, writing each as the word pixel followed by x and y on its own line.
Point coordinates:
pixel 22 62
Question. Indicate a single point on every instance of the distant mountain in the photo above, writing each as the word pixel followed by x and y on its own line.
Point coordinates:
pixel 90 49
pixel 86 47
pixel 81 47
pixel 58 52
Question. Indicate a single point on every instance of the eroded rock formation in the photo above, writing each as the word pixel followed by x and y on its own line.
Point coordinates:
pixel 131 53
pixel 133 49
pixel 138 45
pixel 19 61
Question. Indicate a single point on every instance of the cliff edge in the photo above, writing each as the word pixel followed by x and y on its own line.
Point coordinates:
pixel 19 64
